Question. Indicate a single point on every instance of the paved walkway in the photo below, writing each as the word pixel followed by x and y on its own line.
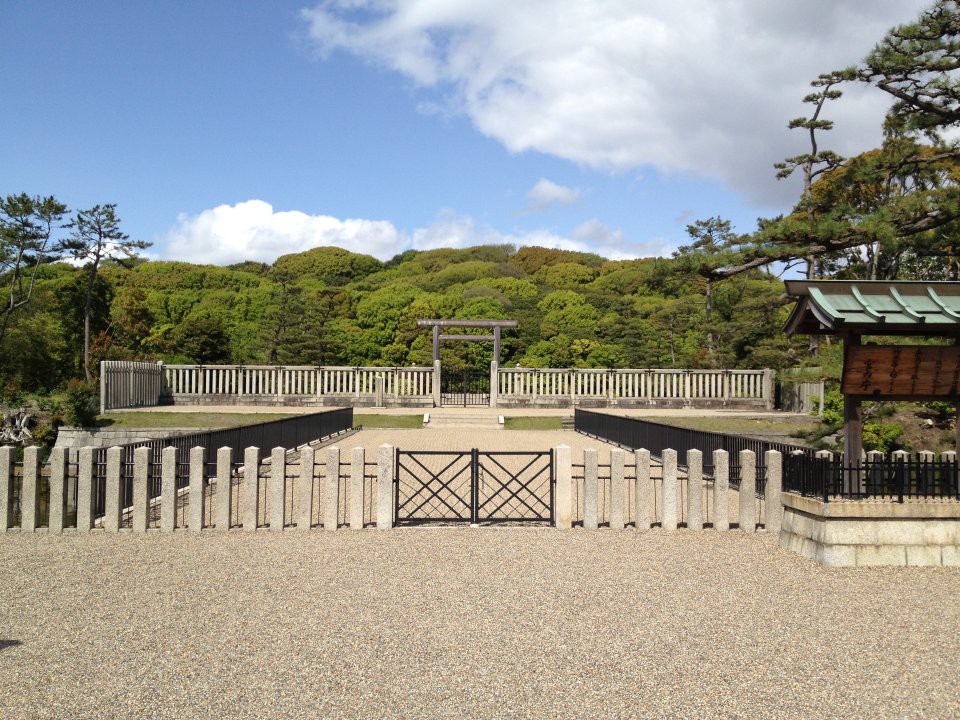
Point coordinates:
pixel 466 623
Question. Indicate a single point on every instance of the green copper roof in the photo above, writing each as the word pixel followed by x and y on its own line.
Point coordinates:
pixel 826 307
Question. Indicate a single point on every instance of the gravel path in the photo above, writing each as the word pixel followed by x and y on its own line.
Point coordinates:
pixel 466 623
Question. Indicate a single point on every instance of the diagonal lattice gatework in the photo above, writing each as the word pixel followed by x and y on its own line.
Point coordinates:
pixel 434 485
pixel 515 486
pixel 474 486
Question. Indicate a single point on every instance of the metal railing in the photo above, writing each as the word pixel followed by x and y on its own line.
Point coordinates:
pixel 287 433
pixel 895 477
pixel 634 433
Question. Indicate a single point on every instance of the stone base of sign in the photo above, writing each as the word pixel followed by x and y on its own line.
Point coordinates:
pixel 856 533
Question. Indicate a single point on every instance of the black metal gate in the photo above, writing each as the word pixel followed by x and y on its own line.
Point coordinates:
pixel 473 486
pixel 464 387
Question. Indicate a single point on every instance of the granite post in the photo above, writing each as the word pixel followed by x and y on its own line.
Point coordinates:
pixel 331 489
pixel 748 491
pixel 590 489
pixel 250 495
pixel 304 499
pixel 618 490
pixel 669 521
pixel 563 495
pixel 721 488
pixel 168 489
pixel 355 494
pixel 694 490
pixel 197 470
pixel 644 491
pixel 141 496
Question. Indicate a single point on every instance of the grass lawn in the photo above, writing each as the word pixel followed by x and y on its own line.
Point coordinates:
pixel 148 419
pixel 388 421
pixel 533 423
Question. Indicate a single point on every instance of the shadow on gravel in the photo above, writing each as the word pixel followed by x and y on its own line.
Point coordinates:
pixel 4 644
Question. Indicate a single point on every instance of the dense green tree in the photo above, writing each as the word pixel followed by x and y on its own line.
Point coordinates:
pixel 28 228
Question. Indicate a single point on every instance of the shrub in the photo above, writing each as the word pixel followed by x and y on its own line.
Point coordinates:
pixel 82 403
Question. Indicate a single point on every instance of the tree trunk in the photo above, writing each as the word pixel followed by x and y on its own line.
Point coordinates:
pixel 86 317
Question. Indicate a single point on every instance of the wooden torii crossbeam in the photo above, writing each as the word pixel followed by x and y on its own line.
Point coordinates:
pixel 496 325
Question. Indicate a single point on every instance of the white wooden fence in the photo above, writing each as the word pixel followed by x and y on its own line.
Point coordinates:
pixel 637 385
pixel 140 384
pixel 280 381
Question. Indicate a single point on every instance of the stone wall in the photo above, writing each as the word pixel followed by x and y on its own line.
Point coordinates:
pixel 855 533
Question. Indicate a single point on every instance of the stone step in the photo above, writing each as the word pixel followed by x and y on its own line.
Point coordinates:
pixel 448 421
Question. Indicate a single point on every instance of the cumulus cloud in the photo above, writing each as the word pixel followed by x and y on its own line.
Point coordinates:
pixel 696 87
pixel 546 193
pixel 253 230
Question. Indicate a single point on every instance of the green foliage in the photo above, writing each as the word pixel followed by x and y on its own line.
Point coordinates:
pixel 81 403
pixel 881 436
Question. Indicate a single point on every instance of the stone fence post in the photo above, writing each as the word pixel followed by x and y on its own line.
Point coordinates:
pixel 58 484
pixel 618 490
pixel 748 491
pixel 251 488
pixel 168 489
pixel 694 490
pixel 111 519
pixel 721 487
pixel 197 472
pixel 30 489
pixel 6 475
pixel 591 519
pixel 769 388
pixel 772 497
pixel 331 489
pixel 304 497
pixel 669 518
pixel 278 487
pixel 224 488
pixel 563 497
pixel 141 494
pixel 385 487
pixel 643 492
pixel 355 494
pixel 84 490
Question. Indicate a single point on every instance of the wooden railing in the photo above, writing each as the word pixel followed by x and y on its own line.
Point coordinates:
pixel 142 384
pixel 648 384
pixel 295 381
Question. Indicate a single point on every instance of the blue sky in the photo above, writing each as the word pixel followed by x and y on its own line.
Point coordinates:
pixel 228 131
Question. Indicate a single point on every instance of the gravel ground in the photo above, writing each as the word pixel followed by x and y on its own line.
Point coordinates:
pixel 466 623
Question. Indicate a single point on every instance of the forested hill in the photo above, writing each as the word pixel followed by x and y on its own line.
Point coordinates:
pixel 331 306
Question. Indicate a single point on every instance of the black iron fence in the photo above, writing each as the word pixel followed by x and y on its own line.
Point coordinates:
pixel 287 433
pixel 894 477
pixel 634 433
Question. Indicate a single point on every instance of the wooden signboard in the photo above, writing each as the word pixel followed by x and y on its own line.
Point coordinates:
pixel 902 372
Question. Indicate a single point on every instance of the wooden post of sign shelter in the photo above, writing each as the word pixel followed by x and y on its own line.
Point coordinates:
pixel 853 309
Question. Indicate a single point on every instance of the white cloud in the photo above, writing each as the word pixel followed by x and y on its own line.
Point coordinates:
pixel 698 86
pixel 253 230
pixel 546 193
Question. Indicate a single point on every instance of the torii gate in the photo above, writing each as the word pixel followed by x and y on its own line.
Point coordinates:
pixel 495 324
pixel 490 396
